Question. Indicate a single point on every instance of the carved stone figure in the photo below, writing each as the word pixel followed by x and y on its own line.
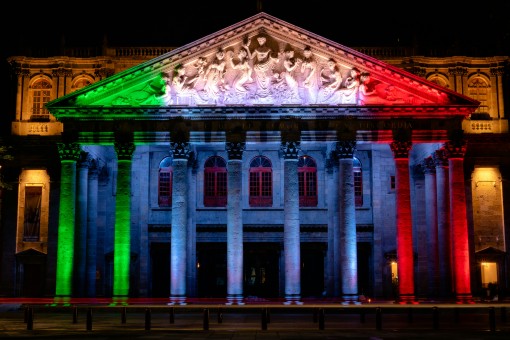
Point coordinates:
pixel 309 71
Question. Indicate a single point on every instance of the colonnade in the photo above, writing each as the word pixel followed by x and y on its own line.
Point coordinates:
pixel 446 208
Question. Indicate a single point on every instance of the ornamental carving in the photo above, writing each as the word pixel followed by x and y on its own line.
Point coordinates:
pixel 456 148
pixel 290 149
pixel 440 157
pixel 180 150
pixel 429 165
pixel 345 149
pixel 401 149
pixel 69 151
pixel 261 70
pixel 124 150
pixel 235 150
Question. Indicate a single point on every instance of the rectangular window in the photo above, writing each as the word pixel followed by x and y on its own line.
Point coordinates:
pixel 165 189
pixel 358 189
pixel 32 220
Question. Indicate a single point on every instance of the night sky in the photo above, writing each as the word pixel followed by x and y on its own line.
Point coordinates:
pixel 354 23
pixel 175 23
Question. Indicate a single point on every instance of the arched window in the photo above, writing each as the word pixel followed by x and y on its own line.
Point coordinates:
pixel 165 182
pixel 41 94
pixel 80 83
pixel 215 182
pixel 358 182
pixel 307 173
pixel 479 89
pixel 261 182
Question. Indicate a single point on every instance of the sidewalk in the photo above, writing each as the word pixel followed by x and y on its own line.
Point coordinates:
pixel 212 321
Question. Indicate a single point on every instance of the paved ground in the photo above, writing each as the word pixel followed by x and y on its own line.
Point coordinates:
pixel 375 322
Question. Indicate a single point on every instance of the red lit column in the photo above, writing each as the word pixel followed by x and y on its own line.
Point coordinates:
pixel 429 168
pixel 456 150
pixel 347 222
pixel 404 221
pixel 235 223
pixel 443 223
pixel 178 245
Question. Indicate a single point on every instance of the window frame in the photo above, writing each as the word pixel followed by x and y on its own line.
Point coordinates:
pixel 307 175
pixel 215 182
pixel 260 182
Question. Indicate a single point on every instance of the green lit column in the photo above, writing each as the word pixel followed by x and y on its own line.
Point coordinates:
pixel 69 154
pixel 122 233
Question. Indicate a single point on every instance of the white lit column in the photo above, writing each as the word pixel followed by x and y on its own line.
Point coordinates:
pixel 234 223
pixel 443 223
pixel 178 248
pixel 291 239
pixel 429 169
pixel 347 222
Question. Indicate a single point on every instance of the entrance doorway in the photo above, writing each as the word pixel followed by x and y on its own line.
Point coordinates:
pixel 212 269
pixel 365 269
pixel 312 269
pixel 160 269
pixel 261 269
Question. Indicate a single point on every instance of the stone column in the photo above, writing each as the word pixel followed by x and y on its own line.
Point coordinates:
pixel 124 147
pixel 347 243
pixel 499 102
pixel 178 246
pixel 405 254
pixel 429 168
pixel 235 221
pixel 92 229
pixel 443 223
pixel 291 234
pixel 333 228
pixel 456 149
pixel 69 155
pixel 81 225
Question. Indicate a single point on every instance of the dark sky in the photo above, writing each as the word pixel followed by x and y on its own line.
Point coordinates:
pixel 175 23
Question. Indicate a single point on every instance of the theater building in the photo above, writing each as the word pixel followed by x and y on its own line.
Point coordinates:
pixel 260 162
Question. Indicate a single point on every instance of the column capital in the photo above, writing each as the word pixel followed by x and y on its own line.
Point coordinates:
pixel 429 165
pixel 69 151
pixel 180 150
pixel 344 149
pixel 440 157
pixel 290 149
pixel 456 148
pixel 235 150
pixel 401 148
pixel 124 150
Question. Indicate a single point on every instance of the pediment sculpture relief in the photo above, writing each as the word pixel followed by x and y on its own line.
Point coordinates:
pixel 255 73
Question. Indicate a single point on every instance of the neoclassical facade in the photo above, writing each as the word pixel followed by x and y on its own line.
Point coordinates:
pixel 259 162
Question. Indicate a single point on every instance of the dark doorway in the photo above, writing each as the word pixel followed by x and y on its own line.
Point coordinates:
pixel 365 269
pixel 212 269
pixel 261 269
pixel 30 273
pixel 312 269
pixel 160 269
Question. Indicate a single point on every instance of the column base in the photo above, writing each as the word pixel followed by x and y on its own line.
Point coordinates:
pixel 464 299
pixel 235 299
pixel 61 301
pixel 177 300
pixel 408 299
pixel 119 301
pixel 350 300
pixel 293 300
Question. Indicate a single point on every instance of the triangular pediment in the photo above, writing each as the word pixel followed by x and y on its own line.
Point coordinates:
pixel 288 67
